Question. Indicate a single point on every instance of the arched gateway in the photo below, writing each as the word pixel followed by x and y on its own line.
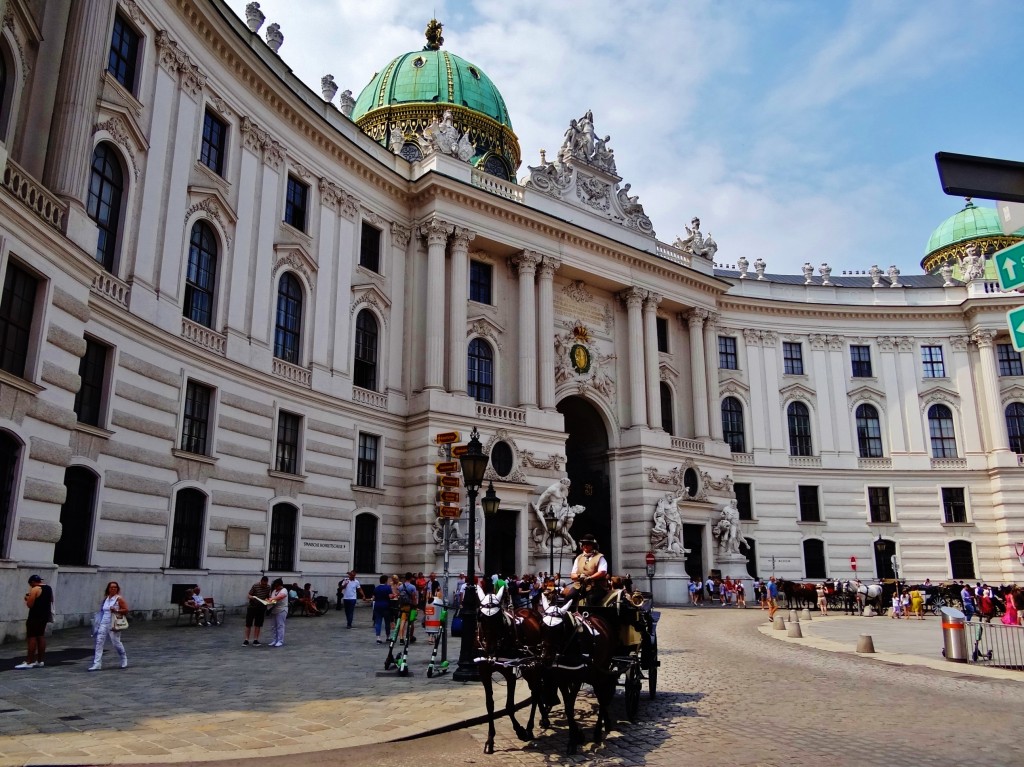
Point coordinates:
pixel 586 453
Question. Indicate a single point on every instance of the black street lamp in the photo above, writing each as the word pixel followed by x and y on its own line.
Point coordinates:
pixel 651 563
pixel 474 464
pixel 551 522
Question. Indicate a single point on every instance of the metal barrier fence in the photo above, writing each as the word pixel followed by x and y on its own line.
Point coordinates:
pixel 996 644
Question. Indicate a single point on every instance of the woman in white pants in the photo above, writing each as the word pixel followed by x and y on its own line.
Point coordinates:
pixel 113 604
pixel 279 612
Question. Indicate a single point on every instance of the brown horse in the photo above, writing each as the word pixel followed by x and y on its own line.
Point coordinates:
pixel 577 649
pixel 509 643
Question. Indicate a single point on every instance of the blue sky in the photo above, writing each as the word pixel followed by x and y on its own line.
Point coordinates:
pixel 797 130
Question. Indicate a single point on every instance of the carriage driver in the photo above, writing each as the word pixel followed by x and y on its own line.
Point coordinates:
pixel 589 573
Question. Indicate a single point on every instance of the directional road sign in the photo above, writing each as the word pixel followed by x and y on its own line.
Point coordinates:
pixel 1015 319
pixel 449 496
pixel 449 481
pixel 1010 266
pixel 459 450
pixel 446 467
pixel 446 438
pixel 450 512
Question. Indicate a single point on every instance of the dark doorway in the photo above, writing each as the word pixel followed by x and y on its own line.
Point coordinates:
pixel 586 463
pixel 76 516
pixel 693 541
pixel 751 557
pixel 500 546
pixel 885 552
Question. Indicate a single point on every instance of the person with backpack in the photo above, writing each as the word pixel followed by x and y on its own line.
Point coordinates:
pixel 408 600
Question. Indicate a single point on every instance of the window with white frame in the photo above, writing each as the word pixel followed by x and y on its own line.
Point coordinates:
pixel 940 428
pixel 954 505
pixel 879 508
pixel 869 432
pixel 289 434
pixel 798 419
pixel 195 425
pixel 932 363
pixel 367 460
pixel 810 509
pixel 1009 360
pixel 793 358
pixel 727 359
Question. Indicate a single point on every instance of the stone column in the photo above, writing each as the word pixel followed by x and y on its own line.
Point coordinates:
pixel 755 371
pixel 457 310
pixel 436 231
pixel 651 358
pixel 890 384
pixel 526 265
pixel 633 299
pixel 825 442
pixel 546 330
pixel 909 396
pixel 995 422
pixel 70 157
pixel 698 377
pixel 711 373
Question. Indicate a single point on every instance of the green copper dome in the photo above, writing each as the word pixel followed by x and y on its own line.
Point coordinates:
pixel 970 223
pixel 432 77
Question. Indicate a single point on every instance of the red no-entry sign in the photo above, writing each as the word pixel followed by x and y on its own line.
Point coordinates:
pixel 853 563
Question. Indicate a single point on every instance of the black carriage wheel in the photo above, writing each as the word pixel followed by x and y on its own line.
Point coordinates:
pixel 633 677
pixel 652 680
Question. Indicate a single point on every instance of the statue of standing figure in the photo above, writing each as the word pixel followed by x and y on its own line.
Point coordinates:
pixel 728 531
pixel 667 533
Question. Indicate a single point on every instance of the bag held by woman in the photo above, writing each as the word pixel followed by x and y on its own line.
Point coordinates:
pixel 119 623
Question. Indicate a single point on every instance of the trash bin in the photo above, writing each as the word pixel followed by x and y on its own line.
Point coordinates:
pixel 954 635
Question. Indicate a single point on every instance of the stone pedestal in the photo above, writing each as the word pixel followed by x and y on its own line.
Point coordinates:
pixel 671 583
pixel 733 566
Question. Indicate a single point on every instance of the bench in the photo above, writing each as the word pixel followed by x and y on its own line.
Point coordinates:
pixel 179 592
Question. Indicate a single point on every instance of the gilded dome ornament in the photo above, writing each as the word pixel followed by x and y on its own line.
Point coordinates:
pixel 433 33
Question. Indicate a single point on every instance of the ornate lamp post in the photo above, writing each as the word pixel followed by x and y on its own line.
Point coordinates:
pixel 474 464
pixel 651 564
pixel 551 522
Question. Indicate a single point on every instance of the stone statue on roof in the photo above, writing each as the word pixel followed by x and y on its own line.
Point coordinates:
pixel 433 33
pixel 696 243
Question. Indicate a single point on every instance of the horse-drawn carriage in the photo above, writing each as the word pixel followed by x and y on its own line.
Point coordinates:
pixel 556 648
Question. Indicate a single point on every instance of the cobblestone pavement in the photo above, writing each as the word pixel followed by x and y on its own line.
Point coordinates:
pixel 727 694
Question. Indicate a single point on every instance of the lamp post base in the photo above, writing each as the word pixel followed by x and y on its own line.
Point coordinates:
pixel 467 670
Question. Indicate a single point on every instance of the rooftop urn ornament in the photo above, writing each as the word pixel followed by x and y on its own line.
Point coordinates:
pixel 894 277
pixel 346 102
pixel 433 33
pixel 759 267
pixel 274 37
pixel 876 276
pixel 254 17
pixel 808 271
pixel 743 264
pixel 826 274
pixel 328 87
pixel 947 275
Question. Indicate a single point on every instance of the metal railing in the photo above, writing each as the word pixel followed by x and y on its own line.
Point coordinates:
pixel 996 644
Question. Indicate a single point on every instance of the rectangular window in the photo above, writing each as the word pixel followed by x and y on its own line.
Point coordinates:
pixel 1009 360
pixel 215 143
pixel 369 248
pixel 196 421
pixel 92 369
pixel 727 353
pixel 187 530
pixel 793 358
pixel 743 502
pixel 860 357
pixel 295 204
pixel 289 427
pixel 366 469
pixel 954 506
pixel 878 504
pixel 810 511
pixel 931 359
pixel 661 326
pixel 124 53
pixel 17 310
pixel 282 538
pixel 481 280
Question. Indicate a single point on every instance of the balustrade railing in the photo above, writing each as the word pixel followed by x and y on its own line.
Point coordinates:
pixel 293 373
pixel 673 254
pixel 371 398
pixel 202 336
pixel 499 413
pixel 874 463
pixel 108 286
pixel 805 461
pixel 949 463
pixel 745 459
pixel 688 445
pixel 497 186
pixel 34 195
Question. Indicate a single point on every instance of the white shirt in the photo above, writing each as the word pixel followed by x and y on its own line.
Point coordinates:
pixel 350 589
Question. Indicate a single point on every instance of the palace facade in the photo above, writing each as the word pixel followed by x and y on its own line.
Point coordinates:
pixel 236 314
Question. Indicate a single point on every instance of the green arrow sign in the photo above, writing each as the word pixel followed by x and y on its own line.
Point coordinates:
pixel 1015 319
pixel 1010 266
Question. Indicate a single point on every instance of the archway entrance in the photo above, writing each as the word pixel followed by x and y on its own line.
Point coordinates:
pixel 586 454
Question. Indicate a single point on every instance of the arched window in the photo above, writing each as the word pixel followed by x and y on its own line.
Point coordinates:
pixel 869 432
pixel 940 426
pixel 10 454
pixel 76 515
pixel 364 555
pixel 667 409
pixel 732 424
pixel 961 560
pixel 283 519
pixel 106 191
pixel 814 558
pixel 799 418
pixel 1015 426
pixel 188 528
pixel 364 369
pixel 480 372
pixel 201 276
pixel 288 326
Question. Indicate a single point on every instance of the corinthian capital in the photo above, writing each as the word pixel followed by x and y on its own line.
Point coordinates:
pixel 526 262
pixel 400 235
pixel 462 238
pixel 435 230
pixel 633 296
pixel 695 316
pixel 651 300
pixel 983 338
pixel 548 267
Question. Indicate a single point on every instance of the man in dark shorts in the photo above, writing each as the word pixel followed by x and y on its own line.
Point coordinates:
pixel 256 611
pixel 39 600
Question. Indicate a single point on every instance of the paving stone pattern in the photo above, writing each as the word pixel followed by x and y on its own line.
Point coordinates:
pixel 729 694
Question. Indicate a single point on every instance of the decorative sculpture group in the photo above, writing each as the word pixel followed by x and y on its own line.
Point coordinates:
pixel 667 533
pixel 556 500
pixel 695 243
pixel 727 530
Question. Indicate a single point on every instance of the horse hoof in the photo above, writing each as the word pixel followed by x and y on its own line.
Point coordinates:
pixel 488 748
